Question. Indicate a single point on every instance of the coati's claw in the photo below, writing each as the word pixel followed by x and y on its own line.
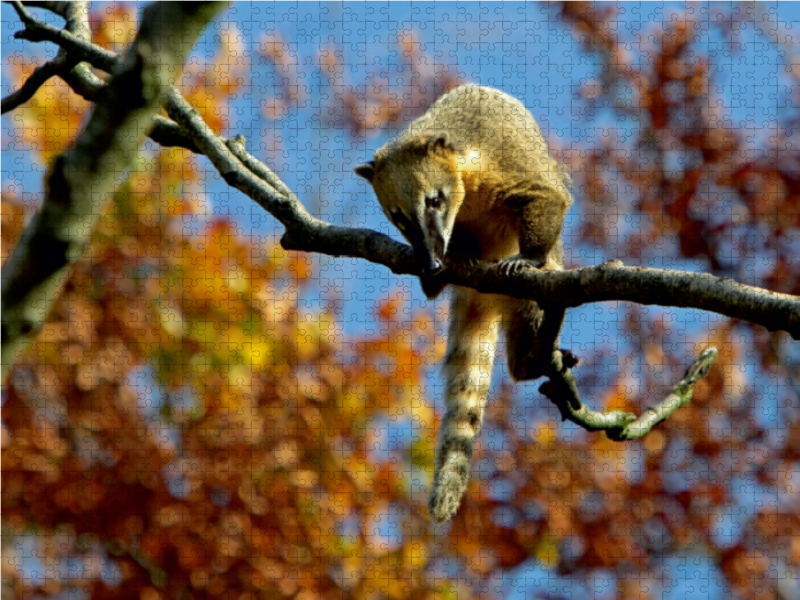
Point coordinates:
pixel 516 263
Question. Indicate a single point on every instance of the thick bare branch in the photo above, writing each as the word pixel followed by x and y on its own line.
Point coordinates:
pixel 606 282
pixel 614 281
pixel 82 178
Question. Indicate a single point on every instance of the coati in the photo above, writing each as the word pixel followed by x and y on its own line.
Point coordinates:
pixel 472 179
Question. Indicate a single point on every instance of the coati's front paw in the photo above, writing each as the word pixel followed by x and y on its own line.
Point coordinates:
pixel 517 263
pixel 446 496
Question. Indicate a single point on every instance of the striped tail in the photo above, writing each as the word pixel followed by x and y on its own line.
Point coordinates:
pixel 474 325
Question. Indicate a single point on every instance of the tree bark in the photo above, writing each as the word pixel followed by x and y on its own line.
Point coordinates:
pixel 82 179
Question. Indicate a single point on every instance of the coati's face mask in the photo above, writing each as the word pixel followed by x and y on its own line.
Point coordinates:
pixel 419 192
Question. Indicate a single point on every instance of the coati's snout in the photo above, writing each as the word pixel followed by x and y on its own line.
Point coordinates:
pixel 431 253
pixel 429 263
pixel 433 266
pixel 427 236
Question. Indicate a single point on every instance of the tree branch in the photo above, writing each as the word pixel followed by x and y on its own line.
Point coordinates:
pixel 166 133
pixel 81 178
pixel 612 281
pixel 562 390
pixel 36 31
pixel 76 16
pixel 59 8
pixel 38 78
pixel 282 204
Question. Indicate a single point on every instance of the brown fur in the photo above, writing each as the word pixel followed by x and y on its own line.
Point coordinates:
pixel 503 198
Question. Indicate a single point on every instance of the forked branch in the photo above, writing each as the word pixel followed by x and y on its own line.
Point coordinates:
pixel 562 390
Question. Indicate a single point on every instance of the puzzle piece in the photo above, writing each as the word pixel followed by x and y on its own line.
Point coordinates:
pixel 207 414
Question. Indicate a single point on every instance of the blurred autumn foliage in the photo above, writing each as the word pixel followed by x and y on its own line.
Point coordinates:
pixel 184 428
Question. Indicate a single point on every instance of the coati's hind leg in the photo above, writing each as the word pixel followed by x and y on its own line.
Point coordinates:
pixel 531 333
pixel 531 336
pixel 472 337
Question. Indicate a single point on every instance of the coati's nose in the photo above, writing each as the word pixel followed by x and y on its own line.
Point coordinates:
pixel 434 265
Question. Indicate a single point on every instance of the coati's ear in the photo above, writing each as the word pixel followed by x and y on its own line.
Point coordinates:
pixel 366 170
pixel 440 144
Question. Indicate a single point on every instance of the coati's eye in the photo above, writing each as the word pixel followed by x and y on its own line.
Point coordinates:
pixel 435 201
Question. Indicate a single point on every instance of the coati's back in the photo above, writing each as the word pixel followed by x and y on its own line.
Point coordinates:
pixel 485 120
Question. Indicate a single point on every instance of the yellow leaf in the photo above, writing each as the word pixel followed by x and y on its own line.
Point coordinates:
pixel 171 319
pixel 547 552
pixel 203 331
pixel 416 556
pixel 545 436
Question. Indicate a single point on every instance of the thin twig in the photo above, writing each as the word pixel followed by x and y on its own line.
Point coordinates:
pixel 64 65
pixel 287 209
pixel 237 146
pixel 59 8
pixel 680 395
pixel 38 78
pixel 36 31
pixel 562 390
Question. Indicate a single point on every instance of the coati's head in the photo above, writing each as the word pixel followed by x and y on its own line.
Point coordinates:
pixel 419 189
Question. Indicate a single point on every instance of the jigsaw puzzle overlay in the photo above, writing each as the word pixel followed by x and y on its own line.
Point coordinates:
pixel 207 414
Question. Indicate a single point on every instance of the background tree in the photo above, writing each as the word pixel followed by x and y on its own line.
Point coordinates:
pixel 200 416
